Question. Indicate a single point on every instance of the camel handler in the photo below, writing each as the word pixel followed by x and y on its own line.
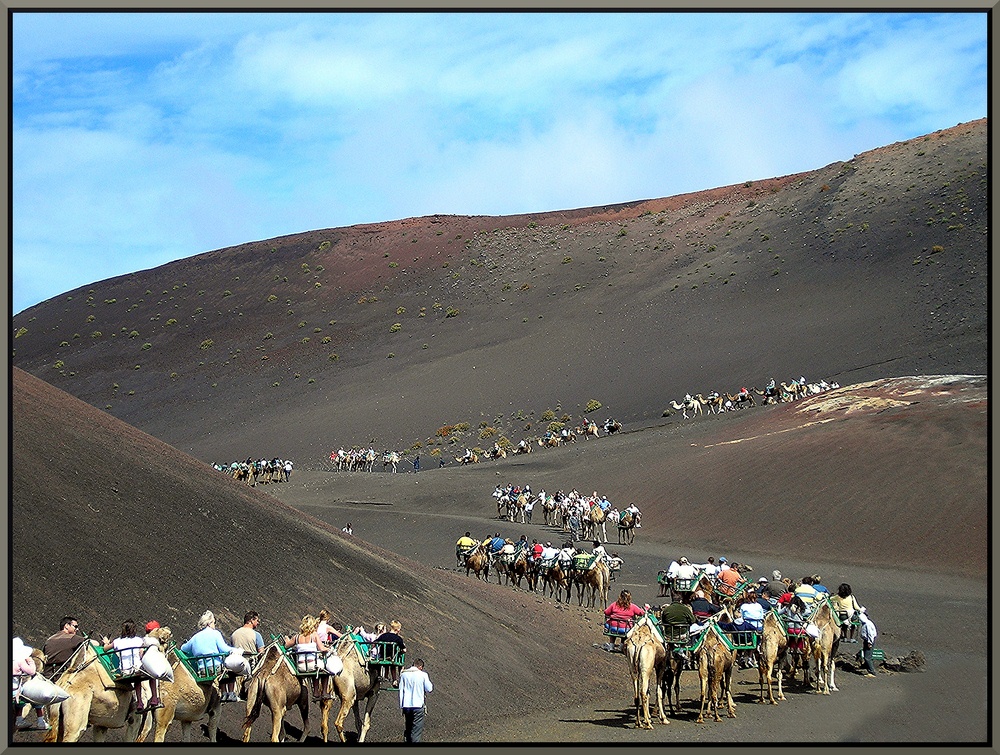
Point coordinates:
pixel 465 545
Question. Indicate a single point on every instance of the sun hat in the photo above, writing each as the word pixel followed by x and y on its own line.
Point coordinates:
pixel 763 580
pixel 151 625
pixel 684 559
pixel 776 574
pixel 722 559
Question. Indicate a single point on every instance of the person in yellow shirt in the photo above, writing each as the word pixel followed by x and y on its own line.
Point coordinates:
pixel 464 546
pixel 806 592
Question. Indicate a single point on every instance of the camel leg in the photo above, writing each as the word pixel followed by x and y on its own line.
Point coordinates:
pixel 367 720
pixel 833 669
pixel 659 697
pixel 161 719
pixel 277 722
pixel 324 721
pixel 346 704
pixel 303 703
pixel 185 731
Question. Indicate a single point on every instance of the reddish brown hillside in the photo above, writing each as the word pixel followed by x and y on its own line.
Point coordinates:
pixel 866 268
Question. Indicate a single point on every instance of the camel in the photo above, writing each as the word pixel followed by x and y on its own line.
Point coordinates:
pixel 359 681
pixel 672 677
pixel 772 397
pixel 390 457
pixel 522 448
pixel 794 391
pixel 591 520
pixel 714 402
pixel 771 652
pixel 589 429
pixel 519 569
pixel 715 672
pixel 468 458
pixel 555 579
pixel 594 581
pixel 694 406
pixel 184 699
pixel 274 683
pixel 517 507
pixel 96 700
pixel 824 647
pixel 478 560
pixel 549 510
pixel 740 399
pixel 646 656
pixel 626 528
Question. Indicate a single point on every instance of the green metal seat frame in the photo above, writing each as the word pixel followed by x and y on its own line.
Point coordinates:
pixel 386 654
pixel 204 668
pixel 111 661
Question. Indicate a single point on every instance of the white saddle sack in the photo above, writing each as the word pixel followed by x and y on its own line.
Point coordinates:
pixel 334 665
pixel 236 663
pixel 40 691
pixel 156 665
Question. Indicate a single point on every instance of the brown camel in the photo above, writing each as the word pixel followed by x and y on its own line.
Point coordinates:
pixel 358 681
pixel 626 528
pixel 770 653
pixel 96 700
pixel 555 580
pixel 274 684
pixel 594 582
pixel 676 638
pixel 646 656
pixel 715 671
pixel 824 648
pixel 184 699
pixel 740 399
pixel 478 561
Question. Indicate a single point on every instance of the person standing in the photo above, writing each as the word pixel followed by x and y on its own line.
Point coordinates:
pixel 868 635
pixel 414 683
pixel 416 463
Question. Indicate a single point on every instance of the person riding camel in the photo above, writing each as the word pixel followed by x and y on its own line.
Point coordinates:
pixel 599 553
pixel 636 514
pixel 464 546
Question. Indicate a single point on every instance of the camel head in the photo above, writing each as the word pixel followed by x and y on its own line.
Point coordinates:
pixel 162 635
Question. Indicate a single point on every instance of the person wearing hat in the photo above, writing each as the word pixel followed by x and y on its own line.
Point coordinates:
pixel 723 564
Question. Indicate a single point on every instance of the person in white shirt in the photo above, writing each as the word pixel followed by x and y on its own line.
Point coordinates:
pixel 710 568
pixel 549 553
pixel 684 569
pixel 868 635
pixel 599 551
pixel 413 684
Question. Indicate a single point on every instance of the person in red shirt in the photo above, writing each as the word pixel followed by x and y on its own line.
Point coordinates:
pixel 536 550
pixel 620 616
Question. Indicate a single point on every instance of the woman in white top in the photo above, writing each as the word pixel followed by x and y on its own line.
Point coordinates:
pixel 308 647
pixel 129 647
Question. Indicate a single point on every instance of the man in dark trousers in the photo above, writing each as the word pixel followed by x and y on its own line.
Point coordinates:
pixel 413 685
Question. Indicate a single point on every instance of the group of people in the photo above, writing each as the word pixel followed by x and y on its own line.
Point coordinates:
pixel 253 471
pixel 570 508
pixel 207 647
pixel 794 600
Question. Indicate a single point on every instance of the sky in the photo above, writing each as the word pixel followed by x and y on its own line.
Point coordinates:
pixel 141 138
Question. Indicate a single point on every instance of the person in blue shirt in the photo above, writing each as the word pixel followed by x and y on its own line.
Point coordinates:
pixel 209 641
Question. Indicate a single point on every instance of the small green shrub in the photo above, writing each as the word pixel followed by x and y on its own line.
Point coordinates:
pixel 207 343
pixel 548 415
pixel 272 297
pixel 396 327
pixel 20 332
pixel 146 346
pixel 400 310
pixel 390 355
pixel 59 364
pixel 96 334
pixel 452 312
pixel 64 343
pixel 226 293
pixel 325 339
pixel 171 321
pixel 593 405
pixel 333 357
pixel 567 259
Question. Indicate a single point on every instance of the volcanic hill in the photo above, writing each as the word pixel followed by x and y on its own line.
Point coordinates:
pixel 380 334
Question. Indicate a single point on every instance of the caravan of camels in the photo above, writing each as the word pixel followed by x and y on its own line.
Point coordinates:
pixel 142 685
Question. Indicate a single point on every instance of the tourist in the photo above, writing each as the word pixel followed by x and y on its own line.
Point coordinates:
pixel 619 618
pixel 209 641
pixel 247 637
pixel 414 683
pixel 348 529
pixel 60 647
pixel 23 668
pixel 308 647
pixel 128 647
pixel 395 653
pixel 846 606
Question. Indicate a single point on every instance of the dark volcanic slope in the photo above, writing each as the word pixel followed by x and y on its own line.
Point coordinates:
pixel 110 523
pixel 868 268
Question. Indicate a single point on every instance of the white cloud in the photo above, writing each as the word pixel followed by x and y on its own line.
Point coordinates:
pixel 138 138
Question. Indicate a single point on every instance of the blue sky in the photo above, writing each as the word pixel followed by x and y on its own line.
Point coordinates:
pixel 143 138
